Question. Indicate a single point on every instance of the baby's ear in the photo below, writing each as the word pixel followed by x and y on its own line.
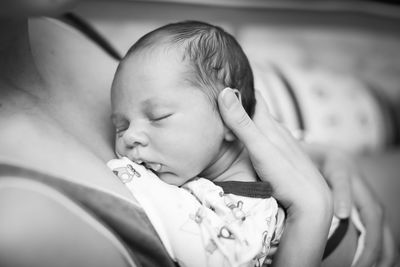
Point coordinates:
pixel 228 135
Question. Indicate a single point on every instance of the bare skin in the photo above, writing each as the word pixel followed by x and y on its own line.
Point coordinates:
pixel 34 115
pixel 41 130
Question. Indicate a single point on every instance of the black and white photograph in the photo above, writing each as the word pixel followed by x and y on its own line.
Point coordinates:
pixel 199 133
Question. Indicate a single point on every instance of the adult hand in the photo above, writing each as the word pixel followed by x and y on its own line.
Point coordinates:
pixel 348 188
pixel 298 185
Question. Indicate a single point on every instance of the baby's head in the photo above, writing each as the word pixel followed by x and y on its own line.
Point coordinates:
pixel 164 98
pixel 214 58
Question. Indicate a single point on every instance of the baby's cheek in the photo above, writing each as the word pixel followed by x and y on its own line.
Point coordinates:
pixel 119 148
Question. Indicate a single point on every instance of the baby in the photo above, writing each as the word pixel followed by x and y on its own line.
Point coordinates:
pixel 164 103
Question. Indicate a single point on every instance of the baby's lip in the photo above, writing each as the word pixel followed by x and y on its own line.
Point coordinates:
pixel 153 166
pixel 149 165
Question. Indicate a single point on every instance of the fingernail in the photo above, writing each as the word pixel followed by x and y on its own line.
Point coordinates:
pixel 342 212
pixel 229 97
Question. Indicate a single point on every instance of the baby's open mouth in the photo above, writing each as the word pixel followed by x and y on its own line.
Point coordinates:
pixel 156 167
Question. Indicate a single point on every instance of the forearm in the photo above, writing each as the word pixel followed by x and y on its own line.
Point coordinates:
pixel 304 238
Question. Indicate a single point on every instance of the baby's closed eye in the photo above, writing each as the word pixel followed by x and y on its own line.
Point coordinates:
pixel 156 115
pixel 160 117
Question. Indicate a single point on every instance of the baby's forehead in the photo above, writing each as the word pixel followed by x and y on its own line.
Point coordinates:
pixel 149 58
pixel 160 44
pixel 156 64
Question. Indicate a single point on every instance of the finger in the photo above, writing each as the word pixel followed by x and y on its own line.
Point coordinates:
pixel 338 174
pixel 261 113
pixel 372 217
pixel 258 145
pixel 320 153
pixel 390 252
pixel 341 191
pixel 265 122
pixel 236 118
pixel 268 159
pixel 254 136
pixel 287 172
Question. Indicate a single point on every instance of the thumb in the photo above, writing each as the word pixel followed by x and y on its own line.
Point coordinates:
pixel 236 118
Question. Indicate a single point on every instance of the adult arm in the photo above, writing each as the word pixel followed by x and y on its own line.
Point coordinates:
pixel 297 184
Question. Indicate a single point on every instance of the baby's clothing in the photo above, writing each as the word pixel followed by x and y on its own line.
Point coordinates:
pixel 244 228
pixel 224 224
pixel 209 229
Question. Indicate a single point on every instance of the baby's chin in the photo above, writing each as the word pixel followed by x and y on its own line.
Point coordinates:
pixel 172 179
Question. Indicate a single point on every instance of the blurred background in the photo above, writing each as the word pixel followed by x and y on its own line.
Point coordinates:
pixel 329 70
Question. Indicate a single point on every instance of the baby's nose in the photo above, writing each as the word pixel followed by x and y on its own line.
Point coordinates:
pixel 134 137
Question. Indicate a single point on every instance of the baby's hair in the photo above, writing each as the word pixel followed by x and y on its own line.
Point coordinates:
pixel 216 58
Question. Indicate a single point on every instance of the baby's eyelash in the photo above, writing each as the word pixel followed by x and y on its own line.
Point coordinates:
pixel 119 130
pixel 159 118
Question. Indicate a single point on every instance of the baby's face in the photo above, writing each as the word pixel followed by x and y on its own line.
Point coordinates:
pixel 163 121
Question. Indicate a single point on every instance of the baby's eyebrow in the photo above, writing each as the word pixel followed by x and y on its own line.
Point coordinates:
pixel 153 103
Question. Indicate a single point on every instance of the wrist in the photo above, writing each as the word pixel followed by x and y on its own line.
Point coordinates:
pixel 314 210
pixel 307 224
pixel 317 204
